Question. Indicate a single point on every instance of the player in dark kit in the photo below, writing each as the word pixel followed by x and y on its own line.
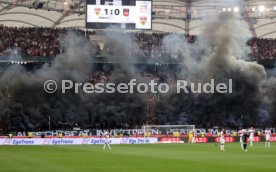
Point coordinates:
pixel 245 137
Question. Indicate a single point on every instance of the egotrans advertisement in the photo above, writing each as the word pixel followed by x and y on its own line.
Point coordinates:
pixel 75 141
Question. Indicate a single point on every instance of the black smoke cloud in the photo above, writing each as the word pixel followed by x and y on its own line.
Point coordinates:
pixel 26 106
pixel 119 110
pixel 221 57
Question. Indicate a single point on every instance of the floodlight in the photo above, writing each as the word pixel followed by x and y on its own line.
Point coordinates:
pixel 261 8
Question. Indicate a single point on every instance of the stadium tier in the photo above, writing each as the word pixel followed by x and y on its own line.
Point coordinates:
pixel 44 42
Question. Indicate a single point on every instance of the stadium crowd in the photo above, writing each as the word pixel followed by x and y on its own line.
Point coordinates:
pixel 98 77
pixel 32 41
pixel 45 42
pixel 102 76
pixel 263 48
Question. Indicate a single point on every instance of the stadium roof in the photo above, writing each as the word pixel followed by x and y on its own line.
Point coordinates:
pixel 169 15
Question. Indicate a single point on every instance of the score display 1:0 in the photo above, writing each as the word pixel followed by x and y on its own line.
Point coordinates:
pixel 116 11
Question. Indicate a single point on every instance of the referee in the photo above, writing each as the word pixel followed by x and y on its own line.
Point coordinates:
pixel 245 137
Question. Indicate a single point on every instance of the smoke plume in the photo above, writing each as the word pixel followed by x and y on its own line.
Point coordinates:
pixel 219 53
pixel 26 106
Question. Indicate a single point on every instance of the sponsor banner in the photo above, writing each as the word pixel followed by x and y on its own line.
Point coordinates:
pixel 93 141
pixel 201 139
pixel 171 140
pixel 75 141
pixel 133 132
pixel 17 141
pixel 256 139
pixel 273 138
pixel 227 139
pixel 137 140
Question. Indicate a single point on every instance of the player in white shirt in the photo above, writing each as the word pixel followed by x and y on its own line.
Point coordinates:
pixel 267 137
pixel 240 133
pixel 107 141
pixel 251 136
pixel 222 140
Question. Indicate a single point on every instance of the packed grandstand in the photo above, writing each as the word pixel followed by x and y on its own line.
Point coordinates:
pixel 32 37
pixel 44 42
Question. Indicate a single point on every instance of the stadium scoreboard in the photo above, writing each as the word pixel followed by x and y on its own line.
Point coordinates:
pixel 125 14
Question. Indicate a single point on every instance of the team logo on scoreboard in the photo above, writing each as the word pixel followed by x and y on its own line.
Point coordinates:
pixel 143 20
pixel 126 12
pixel 97 11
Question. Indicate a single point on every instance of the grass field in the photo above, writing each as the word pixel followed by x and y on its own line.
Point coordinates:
pixel 138 158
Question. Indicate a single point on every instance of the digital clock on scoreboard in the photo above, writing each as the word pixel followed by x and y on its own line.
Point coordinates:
pixel 126 14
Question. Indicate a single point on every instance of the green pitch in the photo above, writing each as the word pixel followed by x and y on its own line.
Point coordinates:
pixel 138 158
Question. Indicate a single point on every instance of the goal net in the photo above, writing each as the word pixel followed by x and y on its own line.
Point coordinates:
pixel 167 130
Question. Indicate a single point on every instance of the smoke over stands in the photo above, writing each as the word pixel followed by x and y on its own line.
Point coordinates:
pixel 222 47
pixel 27 106
pixel 219 53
